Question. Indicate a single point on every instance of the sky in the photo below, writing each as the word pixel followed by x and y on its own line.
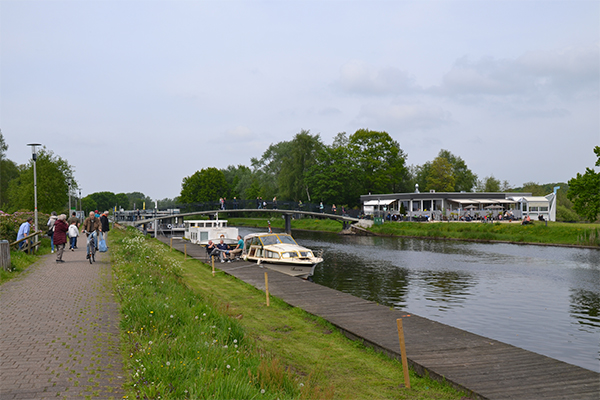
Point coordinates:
pixel 137 95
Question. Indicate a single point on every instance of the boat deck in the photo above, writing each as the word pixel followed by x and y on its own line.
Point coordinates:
pixel 484 367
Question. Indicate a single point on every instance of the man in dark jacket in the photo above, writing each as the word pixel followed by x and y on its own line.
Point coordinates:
pixel 104 224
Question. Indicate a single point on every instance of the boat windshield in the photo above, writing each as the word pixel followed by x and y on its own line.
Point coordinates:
pixel 287 239
pixel 276 239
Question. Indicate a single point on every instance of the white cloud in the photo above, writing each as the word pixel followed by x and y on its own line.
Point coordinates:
pixel 358 77
pixel 539 75
pixel 404 117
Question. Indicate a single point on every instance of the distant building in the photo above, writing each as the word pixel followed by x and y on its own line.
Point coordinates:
pixel 458 205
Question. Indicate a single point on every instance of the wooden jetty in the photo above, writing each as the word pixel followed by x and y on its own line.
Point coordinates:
pixel 483 367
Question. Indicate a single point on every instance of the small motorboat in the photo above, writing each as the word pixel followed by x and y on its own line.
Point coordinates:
pixel 280 252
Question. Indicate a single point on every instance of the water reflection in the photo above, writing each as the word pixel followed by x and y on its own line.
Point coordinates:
pixel 585 306
pixel 446 289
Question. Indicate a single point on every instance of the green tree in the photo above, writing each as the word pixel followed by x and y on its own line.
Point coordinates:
pixel 53 175
pixel 534 188
pixel 267 168
pixel 122 201
pixel 464 179
pixel 332 178
pixel 584 191
pixel 138 199
pixel 440 178
pixel 488 184
pixel 104 200
pixel 302 155
pixel 88 204
pixel 203 186
pixel 380 162
pixel 8 172
pixel 239 180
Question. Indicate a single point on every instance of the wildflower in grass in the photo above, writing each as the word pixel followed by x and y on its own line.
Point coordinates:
pixel 228 366
pixel 262 391
pixel 168 363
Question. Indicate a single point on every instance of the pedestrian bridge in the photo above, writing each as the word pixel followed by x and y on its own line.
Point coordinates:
pixel 287 214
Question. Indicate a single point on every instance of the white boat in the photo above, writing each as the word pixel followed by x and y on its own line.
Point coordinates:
pixel 280 252
pixel 201 231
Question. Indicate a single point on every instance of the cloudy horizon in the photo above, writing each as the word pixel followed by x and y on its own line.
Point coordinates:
pixel 137 95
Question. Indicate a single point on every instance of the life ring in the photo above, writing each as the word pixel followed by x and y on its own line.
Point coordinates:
pixel 169 226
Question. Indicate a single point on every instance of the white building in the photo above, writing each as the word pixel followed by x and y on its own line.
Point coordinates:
pixel 457 205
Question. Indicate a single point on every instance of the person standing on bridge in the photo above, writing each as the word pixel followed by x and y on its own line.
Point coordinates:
pixel 235 203
pixel 275 203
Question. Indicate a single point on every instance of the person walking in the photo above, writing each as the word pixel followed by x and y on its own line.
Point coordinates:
pixel 50 225
pixel 70 221
pixel 105 225
pixel 73 233
pixel 91 225
pixel 60 236
pixel 24 231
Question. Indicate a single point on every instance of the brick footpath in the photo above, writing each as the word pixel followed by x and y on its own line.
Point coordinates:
pixel 59 333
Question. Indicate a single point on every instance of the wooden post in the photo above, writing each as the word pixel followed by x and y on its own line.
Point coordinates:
pixel 403 353
pixel 184 251
pixel 213 264
pixel 5 255
pixel 171 249
pixel 267 287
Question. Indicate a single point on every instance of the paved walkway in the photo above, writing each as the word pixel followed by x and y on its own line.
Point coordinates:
pixel 59 333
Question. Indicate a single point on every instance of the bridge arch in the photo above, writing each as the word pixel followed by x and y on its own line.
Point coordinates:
pixel 287 214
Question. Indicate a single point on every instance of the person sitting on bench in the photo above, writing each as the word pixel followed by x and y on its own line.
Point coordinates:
pixel 223 250
pixel 238 249
pixel 211 249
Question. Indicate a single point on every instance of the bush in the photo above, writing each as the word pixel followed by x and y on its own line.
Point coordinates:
pixel 10 223
pixel 566 215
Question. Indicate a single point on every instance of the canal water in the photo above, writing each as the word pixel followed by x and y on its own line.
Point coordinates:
pixel 542 299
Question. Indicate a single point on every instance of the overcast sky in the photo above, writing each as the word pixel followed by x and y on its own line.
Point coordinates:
pixel 137 95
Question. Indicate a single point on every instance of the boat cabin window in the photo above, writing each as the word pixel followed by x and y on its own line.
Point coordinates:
pixel 289 254
pixel 287 239
pixel 269 239
pixel 306 254
pixel 272 254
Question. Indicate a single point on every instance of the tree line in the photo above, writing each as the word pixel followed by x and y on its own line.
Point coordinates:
pixel 303 169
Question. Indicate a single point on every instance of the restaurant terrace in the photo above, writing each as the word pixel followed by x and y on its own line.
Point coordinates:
pixel 455 206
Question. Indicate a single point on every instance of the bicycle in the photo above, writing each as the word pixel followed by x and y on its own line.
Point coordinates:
pixel 91 246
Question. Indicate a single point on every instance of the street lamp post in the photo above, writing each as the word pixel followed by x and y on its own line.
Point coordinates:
pixel 79 199
pixel 34 157
pixel 69 213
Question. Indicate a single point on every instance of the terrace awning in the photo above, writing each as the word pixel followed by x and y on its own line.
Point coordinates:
pixel 379 202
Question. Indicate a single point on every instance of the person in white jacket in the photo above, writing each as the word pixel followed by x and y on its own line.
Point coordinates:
pixel 73 233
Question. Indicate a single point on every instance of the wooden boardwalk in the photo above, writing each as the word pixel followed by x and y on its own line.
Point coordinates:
pixel 484 367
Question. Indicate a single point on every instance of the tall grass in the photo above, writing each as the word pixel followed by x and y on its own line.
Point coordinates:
pixel 178 345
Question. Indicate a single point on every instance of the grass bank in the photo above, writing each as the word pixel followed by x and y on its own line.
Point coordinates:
pixel 558 233
pixel 555 233
pixel 189 334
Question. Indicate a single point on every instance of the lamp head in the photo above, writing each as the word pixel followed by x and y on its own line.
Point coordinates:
pixel 33 153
